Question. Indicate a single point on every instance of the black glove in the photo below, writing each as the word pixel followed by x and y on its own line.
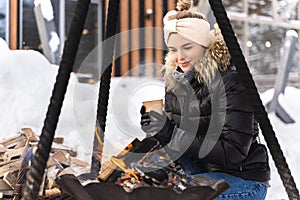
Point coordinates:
pixel 159 126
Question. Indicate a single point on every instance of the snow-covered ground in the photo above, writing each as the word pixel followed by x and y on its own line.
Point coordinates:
pixel 26 83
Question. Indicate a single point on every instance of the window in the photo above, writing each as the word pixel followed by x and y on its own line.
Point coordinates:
pixel 3 20
pixel 33 34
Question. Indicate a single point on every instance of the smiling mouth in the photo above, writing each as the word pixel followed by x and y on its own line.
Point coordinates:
pixel 184 64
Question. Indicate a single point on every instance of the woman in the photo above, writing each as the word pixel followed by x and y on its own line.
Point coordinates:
pixel 209 123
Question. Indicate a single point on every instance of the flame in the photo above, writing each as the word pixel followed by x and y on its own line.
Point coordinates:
pixel 162 157
pixel 120 163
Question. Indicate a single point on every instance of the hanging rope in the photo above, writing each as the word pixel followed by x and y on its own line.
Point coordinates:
pixel 107 58
pixel 261 115
pixel 35 175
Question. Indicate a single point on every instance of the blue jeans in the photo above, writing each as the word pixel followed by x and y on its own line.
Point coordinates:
pixel 240 189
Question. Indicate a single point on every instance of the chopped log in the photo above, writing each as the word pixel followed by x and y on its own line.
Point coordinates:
pixel 10 167
pixel 4 186
pixel 52 192
pixel 75 170
pixel 50 183
pixel 58 140
pixel 10 179
pixel 21 144
pixel 51 175
pixel 2 148
pixel 79 162
pixel 6 162
pixel 59 156
pixel 11 153
pixel 60 147
pixel 107 169
pixel 42 186
pixel 31 136
pixel 5 190
pixel 12 141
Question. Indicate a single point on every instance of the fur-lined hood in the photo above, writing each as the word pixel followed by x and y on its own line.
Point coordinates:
pixel 216 58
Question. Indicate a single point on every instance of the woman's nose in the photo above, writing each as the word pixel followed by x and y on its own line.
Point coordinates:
pixel 180 55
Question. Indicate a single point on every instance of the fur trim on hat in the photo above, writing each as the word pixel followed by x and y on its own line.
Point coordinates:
pixel 216 58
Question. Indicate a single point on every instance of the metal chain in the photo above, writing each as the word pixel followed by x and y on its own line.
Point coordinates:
pixel 36 172
pixel 261 115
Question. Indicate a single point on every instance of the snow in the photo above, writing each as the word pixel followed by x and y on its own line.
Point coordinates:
pixel 26 84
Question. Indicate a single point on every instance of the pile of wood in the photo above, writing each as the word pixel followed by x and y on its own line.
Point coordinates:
pixel 16 154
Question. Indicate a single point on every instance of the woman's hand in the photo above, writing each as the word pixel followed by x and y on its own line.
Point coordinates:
pixel 157 125
pixel 152 122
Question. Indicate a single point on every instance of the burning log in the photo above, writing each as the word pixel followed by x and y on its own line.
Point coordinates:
pixel 153 171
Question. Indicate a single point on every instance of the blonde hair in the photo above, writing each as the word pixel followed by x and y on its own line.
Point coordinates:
pixel 216 57
pixel 183 5
pixel 183 11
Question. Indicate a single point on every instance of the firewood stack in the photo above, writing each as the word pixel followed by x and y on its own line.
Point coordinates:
pixel 16 154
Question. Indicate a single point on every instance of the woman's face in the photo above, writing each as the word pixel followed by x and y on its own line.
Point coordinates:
pixel 185 53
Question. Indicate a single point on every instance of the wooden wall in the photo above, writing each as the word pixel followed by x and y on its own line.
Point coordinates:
pixel 13 24
pixel 140 47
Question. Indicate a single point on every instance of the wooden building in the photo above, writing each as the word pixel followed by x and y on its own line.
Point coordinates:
pixel 139 49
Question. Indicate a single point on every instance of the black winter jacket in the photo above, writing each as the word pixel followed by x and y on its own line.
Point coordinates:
pixel 214 122
pixel 215 126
